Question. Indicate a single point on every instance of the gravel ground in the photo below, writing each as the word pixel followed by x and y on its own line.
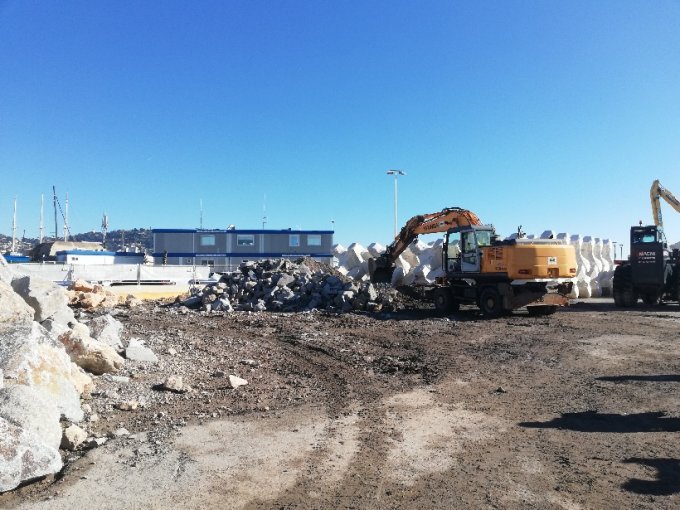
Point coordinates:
pixel 399 410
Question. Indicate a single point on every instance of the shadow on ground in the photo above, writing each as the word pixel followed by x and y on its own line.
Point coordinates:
pixel 592 421
pixel 648 378
pixel 667 480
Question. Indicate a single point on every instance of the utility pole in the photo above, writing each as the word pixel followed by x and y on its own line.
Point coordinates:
pixel 396 174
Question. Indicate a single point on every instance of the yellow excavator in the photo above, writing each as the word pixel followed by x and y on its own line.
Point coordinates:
pixel 497 275
pixel 652 272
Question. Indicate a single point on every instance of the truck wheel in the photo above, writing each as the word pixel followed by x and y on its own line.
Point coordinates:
pixel 650 299
pixel 444 302
pixel 624 293
pixel 491 302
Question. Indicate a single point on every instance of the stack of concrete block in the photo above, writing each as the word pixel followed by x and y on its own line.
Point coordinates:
pixel 421 263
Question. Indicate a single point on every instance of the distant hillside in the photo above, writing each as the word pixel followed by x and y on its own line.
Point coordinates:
pixel 115 240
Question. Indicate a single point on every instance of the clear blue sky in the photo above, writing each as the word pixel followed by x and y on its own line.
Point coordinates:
pixel 546 114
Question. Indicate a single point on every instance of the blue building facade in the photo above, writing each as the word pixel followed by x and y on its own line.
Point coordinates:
pixel 225 250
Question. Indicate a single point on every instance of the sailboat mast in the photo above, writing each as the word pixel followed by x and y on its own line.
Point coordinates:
pixel 67 231
pixel 54 201
pixel 14 227
pixel 42 218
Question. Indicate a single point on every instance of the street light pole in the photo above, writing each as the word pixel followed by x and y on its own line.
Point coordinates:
pixel 396 174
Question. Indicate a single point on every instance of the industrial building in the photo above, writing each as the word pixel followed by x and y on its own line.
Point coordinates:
pixel 225 250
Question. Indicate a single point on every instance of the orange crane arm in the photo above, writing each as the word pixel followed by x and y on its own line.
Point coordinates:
pixel 428 224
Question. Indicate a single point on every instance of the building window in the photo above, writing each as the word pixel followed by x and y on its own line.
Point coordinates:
pixel 294 240
pixel 210 263
pixel 314 240
pixel 245 240
pixel 208 240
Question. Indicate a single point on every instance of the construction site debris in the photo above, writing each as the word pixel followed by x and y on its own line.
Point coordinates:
pixel 137 351
pixel 290 286
pixel 91 297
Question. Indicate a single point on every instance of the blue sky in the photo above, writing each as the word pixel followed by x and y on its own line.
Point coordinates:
pixel 546 114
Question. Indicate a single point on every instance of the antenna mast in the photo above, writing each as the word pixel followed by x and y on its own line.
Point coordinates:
pixel 264 211
pixel 201 218
pixel 105 227
pixel 42 218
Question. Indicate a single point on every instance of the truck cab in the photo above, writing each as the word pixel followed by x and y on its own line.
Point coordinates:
pixel 649 258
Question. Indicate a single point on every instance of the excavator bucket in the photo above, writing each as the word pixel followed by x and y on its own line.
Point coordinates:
pixel 380 271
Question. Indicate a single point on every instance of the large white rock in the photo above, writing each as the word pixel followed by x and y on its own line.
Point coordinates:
pixel 338 250
pixel 420 275
pixel 409 256
pixel 5 272
pixel 46 298
pixel 435 260
pixel 398 277
pixel 108 330
pixel 30 356
pixel 12 307
pixel 359 271
pixel 355 256
pixel 31 410
pixel 403 264
pixel 73 437
pixel 92 355
pixel 136 351
pixel 376 249
pixel 24 456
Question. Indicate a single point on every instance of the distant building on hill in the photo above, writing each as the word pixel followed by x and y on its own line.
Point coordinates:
pixel 48 251
pixel 225 250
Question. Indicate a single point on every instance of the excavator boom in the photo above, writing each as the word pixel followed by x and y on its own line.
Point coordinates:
pixel 658 191
pixel 381 268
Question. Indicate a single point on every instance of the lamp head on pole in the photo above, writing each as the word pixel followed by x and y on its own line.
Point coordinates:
pixel 396 172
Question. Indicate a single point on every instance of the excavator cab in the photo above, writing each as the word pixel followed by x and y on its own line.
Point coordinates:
pixel 461 248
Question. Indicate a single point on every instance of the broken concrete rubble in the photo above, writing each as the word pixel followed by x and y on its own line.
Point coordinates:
pixel 284 285
pixel 137 351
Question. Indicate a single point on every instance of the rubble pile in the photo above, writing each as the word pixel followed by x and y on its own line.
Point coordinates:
pixel 91 297
pixel 287 286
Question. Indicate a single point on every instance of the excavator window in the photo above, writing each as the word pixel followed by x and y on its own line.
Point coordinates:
pixel 483 238
pixel 469 242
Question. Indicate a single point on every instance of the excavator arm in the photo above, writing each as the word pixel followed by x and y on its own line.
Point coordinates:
pixel 382 267
pixel 656 192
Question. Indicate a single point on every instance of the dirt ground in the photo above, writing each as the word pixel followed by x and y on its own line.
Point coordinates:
pixel 401 410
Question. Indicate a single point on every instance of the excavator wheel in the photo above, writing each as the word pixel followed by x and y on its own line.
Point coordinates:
pixel 624 293
pixel 491 302
pixel 444 302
